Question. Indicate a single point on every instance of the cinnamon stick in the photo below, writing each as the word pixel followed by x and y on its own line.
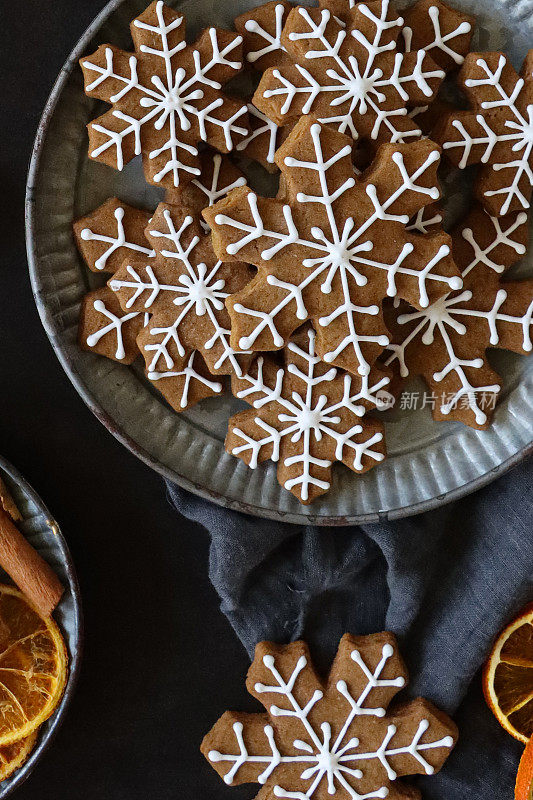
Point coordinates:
pixel 34 577
pixel 7 502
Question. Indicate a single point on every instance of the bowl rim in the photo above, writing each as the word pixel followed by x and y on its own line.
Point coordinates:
pixel 75 657
pixel 52 331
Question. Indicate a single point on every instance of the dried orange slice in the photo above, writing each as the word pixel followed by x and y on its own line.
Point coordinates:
pixel 508 677
pixel 523 789
pixel 13 756
pixel 33 666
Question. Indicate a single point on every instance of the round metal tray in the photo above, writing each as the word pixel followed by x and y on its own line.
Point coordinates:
pixel 43 533
pixel 428 463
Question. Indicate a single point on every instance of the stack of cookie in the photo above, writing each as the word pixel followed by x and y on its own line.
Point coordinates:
pixel 320 301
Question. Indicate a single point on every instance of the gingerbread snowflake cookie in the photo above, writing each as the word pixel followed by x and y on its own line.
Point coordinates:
pixel 350 75
pixel 446 342
pixel 166 97
pixel 334 247
pixel 306 415
pixel 497 133
pixel 106 237
pixel 433 27
pixel 340 737
pixel 184 288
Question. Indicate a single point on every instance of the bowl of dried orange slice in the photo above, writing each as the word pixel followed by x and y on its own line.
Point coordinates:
pixel 40 628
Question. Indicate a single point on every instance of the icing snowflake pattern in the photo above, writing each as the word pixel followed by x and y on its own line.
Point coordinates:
pixel 166 97
pixel 261 30
pixel 427 219
pixel 316 736
pixel 215 189
pixel 106 329
pixel 113 242
pixel 446 342
pixel 304 267
pixel 184 288
pixel 350 76
pixel 111 233
pixel 218 176
pixel 451 32
pixel 497 133
pixel 113 323
pixel 263 137
pixel 299 410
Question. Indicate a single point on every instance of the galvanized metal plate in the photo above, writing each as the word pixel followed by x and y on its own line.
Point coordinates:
pixel 43 533
pixel 428 463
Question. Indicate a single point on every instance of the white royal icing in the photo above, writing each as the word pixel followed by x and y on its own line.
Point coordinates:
pixel 307 417
pixel 424 220
pixel 189 374
pixel 114 242
pixel 366 87
pixel 172 99
pixel 114 324
pixel 327 761
pixel 273 42
pixel 444 316
pixel 519 140
pixel 267 128
pixel 440 41
pixel 214 190
pixel 200 291
pixel 339 250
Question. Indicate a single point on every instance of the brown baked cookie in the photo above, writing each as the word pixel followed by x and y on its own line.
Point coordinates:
pixel 184 289
pixel 430 26
pixel 334 247
pixel 349 74
pixel 166 97
pixel 497 132
pixel 306 415
pixel 336 737
pixel 446 342
pixel 110 233
pixel 104 238
pixel 106 329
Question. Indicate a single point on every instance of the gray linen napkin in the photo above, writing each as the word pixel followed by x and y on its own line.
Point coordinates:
pixel 445 582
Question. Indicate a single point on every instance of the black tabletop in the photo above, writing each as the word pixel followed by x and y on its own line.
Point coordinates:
pixel 161 662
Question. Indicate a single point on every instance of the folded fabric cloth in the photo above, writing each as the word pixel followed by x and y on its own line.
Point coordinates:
pixel 445 582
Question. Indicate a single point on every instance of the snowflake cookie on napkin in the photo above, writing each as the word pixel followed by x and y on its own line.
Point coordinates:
pixel 337 737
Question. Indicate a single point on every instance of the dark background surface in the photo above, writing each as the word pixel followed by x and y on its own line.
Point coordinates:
pixel 151 685
pixel 161 662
